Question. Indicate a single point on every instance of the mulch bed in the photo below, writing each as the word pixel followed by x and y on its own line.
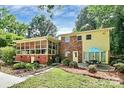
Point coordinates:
pixel 21 72
pixel 110 75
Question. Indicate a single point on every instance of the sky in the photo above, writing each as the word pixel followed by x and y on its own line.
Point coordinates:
pixel 63 18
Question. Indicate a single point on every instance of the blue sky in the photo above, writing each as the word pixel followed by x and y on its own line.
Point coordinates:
pixel 63 18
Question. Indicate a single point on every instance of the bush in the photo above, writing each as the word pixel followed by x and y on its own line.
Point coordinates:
pixel 0 53
pixel 92 69
pixel 20 65
pixel 3 42
pixel 36 65
pixel 29 66
pixel 65 62
pixel 116 59
pixel 57 59
pixel 73 64
pixel 50 62
pixel 7 54
pixel 119 67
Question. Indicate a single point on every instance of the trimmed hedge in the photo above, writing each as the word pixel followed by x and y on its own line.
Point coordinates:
pixel 119 67
pixel 92 69
pixel 73 64
pixel 65 62
pixel 20 65
pixel 28 66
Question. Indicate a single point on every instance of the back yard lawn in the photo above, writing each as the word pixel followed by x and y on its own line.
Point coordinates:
pixel 57 78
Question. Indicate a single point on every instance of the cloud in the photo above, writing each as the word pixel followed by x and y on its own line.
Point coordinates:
pixel 63 18
pixel 67 11
pixel 23 13
pixel 64 30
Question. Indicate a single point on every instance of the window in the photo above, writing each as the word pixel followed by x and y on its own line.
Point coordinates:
pixel 67 53
pixel 32 51
pixel 43 51
pixel 67 39
pixel 88 37
pixel 54 46
pixel 18 51
pixel 27 52
pixel 22 46
pixel 38 51
pixel 17 46
pixel 53 51
pixel 27 45
pixel 49 51
pixel 37 44
pixel 75 54
pixel 91 55
pixel 79 38
pixel 23 51
pixel 103 56
pixel 97 56
pixel 32 45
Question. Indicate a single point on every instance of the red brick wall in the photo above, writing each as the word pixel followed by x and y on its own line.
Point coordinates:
pixel 43 59
pixel 71 46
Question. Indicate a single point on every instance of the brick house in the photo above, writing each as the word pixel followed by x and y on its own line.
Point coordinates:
pixel 76 46
pixel 86 45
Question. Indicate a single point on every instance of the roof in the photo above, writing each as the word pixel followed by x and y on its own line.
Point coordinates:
pixel 37 39
pixel 88 31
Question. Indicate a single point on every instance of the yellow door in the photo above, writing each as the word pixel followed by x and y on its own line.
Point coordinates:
pixel 32 59
pixel 75 56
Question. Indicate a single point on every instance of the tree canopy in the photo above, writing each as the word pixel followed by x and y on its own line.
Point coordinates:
pixel 41 26
pixel 9 23
pixel 6 38
pixel 102 16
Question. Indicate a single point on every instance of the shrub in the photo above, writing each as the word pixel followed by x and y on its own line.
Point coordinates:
pixel 65 62
pixel 7 54
pixel 119 67
pixel 116 59
pixel 36 65
pixel 73 64
pixel 57 59
pixel 0 53
pixel 50 62
pixel 20 65
pixel 92 69
pixel 3 42
pixel 29 66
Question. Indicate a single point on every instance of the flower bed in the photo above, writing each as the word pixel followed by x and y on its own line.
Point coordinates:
pixel 109 75
pixel 21 72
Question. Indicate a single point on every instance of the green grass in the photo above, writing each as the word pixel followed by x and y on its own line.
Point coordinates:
pixel 57 78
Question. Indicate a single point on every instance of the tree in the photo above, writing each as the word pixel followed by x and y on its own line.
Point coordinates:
pixel 84 22
pixel 49 9
pixel 6 38
pixel 20 29
pixel 3 42
pixel 109 16
pixel 41 26
pixel 9 23
pixel 103 16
